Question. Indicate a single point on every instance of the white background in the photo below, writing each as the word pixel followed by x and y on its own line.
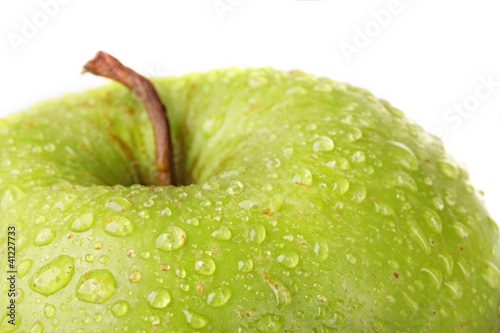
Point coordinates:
pixel 426 57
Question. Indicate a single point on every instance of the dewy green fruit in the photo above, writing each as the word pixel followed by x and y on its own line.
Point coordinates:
pixel 304 205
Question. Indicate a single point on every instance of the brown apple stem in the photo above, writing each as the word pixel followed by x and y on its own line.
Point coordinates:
pixel 108 66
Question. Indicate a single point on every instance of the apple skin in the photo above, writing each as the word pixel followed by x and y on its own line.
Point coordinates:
pixel 307 206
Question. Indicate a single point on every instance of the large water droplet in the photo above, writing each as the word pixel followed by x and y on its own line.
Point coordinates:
pixel 96 286
pixel 354 134
pixel 49 310
pixel 8 324
pixel 359 193
pixel 399 179
pixel 205 266
pixel 433 220
pixel 257 234
pixel 195 320
pixel 447 169
pixel 461 230
pixel 289 259
pixel 222 233
pixel 118 204
pixel 340 185
pixel 119 309
pixel 23 267
pixel 134 276
pixel 270 323
pixel 435 276
pixel 455 289
pixel 281 292
pixel 159 298
pixel 418 235
pixel 403 155
pixel 180 272
pixel 245 265
pixel 447 263
pixel 53 276
pixel 45 237
pixel 119 226
pixel 303 177
pixel 171 240
pixel 219 297
pixel 321 248
pixel 287 150
pixel 83 223
pixel 323 143
pixel 37 327
pixel 491 274
pixel 235 187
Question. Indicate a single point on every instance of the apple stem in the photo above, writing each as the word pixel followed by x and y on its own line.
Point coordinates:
pixel 109 67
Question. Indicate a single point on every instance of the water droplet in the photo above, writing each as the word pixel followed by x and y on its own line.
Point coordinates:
pixel 119 226
pixel 118 204
pixel 321 248
pixel 171 240
pixel 245 265
pixel 359 193
pixel 97 317
pixel 354 134
pixel 37 327
pixel 222 233
pixel 281 292
pixel 455 288
pixel 144 214
pixel 447 169
pixel 403 155
pixel 50 147
pixel 83 223
pixel 464 268
pixel 410 301
pixel 53 276
pixel 119 309
pixel 166 212
pixel 103 259
pixel 21 242
pixel 257 234
pixel 384 208
pixel 450 196
pixel 287 150
pixel 219 297
pixel 45 237
pixel 273 163
pixel 97 245
pixel 358 157
pixel 270 323
pixel 435 276
pixel 438 203
pixel 145 255
pixel 340 185
pixel 235 187
pixel 323 143
pixel 399 179
pixel 447 262
pixel 289 259
pixel 194 221
pixel 23 267
pixel 195 320
pixel 339 163
pixel 40 220
pixel 461 230
pixel 303 177
pixel 491 274
pixel 134 276
pixel 180 272
pixel 49 310
pixel 205 266
pixel 96 286
pixel 418 235
pixel 433 220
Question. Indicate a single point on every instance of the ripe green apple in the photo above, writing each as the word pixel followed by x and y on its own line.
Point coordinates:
pixel 302 205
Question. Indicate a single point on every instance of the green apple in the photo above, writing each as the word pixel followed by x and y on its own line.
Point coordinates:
pixel 302 205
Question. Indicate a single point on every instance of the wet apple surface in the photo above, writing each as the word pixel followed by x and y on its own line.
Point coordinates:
pixel 302 204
